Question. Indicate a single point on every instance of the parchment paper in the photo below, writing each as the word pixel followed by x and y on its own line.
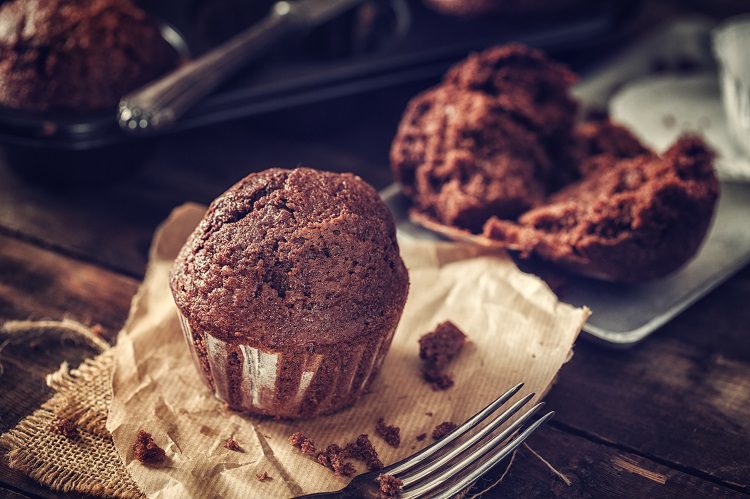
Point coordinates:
pixel 518 331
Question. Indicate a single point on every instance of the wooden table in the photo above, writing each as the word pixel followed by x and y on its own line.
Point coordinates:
pixel 670 417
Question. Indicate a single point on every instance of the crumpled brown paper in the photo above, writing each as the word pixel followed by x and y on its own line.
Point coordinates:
pixel 517 328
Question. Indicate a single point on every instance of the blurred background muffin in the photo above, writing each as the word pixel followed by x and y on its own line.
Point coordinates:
pixel 77 55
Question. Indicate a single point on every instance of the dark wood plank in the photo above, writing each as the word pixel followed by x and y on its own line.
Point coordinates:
pixel 667 399
pixel 595 470
pixel 38 284
pixel 10 494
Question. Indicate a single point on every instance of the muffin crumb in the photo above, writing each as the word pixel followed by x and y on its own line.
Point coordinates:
pixel 333 457
pixel 391 434
pixel 362 450
pixel 262 477
pixel 443 429
pixel 146 450
pixel 303 443
pixel 437 348
pixel 421 437
pixel 390 486
pixel 232 444
pixel 65 427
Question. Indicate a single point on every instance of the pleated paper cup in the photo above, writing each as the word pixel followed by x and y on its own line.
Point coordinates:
pixel 288 384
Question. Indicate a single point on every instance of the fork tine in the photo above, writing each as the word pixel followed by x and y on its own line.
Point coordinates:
pixel 477 418
pixel 442 477
pixel 448 456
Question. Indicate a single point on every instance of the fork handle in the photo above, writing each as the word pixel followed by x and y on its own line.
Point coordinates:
pixel 160 103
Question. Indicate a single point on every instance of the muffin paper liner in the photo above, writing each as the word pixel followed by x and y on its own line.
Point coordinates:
pixel 284 384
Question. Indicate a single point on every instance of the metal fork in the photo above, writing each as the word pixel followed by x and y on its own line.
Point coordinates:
pixel 444 474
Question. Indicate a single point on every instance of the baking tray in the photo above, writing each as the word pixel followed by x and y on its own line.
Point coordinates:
pixel 623 315
pixel 408 43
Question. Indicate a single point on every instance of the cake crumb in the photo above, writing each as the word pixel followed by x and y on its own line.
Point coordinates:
pixel 302 442
pixel 429 414
pixel 232 444
pixel 65 427
pixel 362 450
pixel 437 348
pixel 146 450
pixel 262 477
pixel 421 437
pixel 443 429
pixel 333 457
pixel 437 379
pixel 391 434
pixel 97 330
pixel 390 486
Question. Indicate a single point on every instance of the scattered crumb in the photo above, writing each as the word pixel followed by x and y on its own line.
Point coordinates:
pixel 146 450
pixel 443 429
pixel 390 486
pixel 333 458
pixel 421 437
pixel 97 330
pixel 441 345
pixel 232 444
pixel 65 427
pixel 437 348
pixel 303 443
pixel 391 434
pixel 429 414
pixel 436 378
pixel 262 477
pixel 362 450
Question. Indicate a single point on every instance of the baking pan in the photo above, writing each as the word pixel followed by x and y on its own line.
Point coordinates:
pixel 399 42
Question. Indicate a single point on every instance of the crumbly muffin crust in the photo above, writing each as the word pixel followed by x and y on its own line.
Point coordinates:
pixel 631 220
pixel 80 56
pixel 477 144
pixel 299 260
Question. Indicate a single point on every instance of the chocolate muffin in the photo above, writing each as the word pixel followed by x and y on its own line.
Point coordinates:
pixel 534 89
pixel 494 155
pixel 629 220
pixel 290 290
pixel 80 56
pixel 462 158
pixel 475 145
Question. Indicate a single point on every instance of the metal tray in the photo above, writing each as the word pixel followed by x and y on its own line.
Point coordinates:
pixel 623 315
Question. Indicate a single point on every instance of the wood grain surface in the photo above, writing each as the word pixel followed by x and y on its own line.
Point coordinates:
pixel 668 418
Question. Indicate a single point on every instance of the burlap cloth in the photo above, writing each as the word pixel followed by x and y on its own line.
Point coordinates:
pixel 93 465
pixel 88 464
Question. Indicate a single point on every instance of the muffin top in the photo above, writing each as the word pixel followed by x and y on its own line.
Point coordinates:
pixel 293 259
pixel 77 55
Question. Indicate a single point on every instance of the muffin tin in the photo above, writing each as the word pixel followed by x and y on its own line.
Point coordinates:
pixel 378 45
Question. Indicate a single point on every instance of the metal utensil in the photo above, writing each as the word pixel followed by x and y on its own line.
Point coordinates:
pixel 160 103
pixel 437 474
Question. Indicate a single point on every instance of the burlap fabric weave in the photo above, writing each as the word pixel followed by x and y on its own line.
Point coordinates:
pixel 88 464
